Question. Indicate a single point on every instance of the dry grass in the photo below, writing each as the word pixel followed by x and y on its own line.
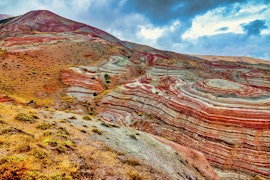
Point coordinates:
pixel 48 149
pixel 34 75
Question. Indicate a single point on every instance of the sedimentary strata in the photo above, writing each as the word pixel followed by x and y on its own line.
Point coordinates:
pixel 227 120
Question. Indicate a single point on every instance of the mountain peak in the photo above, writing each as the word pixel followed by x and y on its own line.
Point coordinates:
pixel 43 21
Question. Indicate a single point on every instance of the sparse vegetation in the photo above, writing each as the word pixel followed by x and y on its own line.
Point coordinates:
pixel 107 78
pixel 73 117
pixel 44 126
pixel 63 131
pixel 86 118
pixel 24 117
pixel 97 131
pixel 31 101
pixel 50 142
pixel 83 131
pixel 132 136
pixel 105 124
pixel 3 121
pixel 91 112
pixel 135 176
pixel 47 133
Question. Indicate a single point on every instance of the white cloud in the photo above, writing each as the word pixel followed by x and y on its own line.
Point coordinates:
pixel 149 32
pixel 71 9
pixel 176 24
pixel 126 28
pixel 209 23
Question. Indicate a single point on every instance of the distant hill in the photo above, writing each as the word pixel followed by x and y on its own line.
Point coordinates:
pixel 4 16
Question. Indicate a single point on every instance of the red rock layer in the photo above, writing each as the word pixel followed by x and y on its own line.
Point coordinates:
pixel 13 41
pixel 226 119
pixel 231 130
pixel 4 98
pixel 83 83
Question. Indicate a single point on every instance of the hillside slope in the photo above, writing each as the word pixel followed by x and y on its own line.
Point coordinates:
pixel 50 144
pixel 217 107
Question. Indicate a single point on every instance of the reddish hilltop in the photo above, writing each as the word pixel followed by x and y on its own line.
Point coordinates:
pixel 46 21
pixel 217 107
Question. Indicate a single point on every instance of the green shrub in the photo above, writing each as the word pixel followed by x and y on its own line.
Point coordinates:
pixel 107 78
pixel 44 126
pixel 24 117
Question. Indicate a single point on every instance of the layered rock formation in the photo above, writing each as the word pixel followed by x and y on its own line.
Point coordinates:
pixel 225 118
pixel 218 107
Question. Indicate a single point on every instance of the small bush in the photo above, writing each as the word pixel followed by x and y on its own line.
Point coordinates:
pixel 73 117
pixel 44 126
pixel 97 131
pixel 50 142
pixel 83 131
pixel 105 124
pixel 91 112
pixel 107 78
pixel 24 148
pixel 24 117
pixel 134 175
pixel 114 126
pixel 132 136
pixel 47 133
pixel 63 131
pixel 60 149
pixel 86 118
pixel 39 153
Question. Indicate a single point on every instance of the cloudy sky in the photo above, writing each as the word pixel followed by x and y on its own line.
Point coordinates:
pixel 217 27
